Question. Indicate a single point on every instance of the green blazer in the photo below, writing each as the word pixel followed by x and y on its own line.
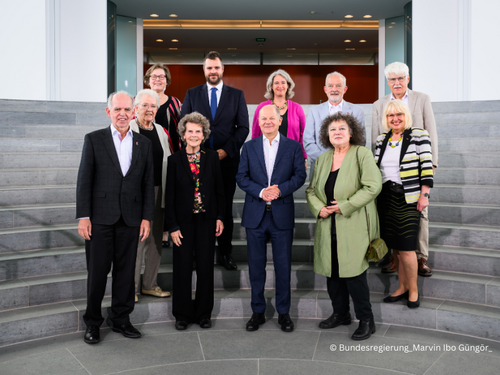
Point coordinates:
pixel 352 196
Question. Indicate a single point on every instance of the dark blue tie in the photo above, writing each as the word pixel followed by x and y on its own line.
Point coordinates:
pixel 213 109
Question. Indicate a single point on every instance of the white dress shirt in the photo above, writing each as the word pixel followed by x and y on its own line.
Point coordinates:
pixel 270 152
pixel 123 148
pixel 218 92
pixel 405 97
pixel 332 109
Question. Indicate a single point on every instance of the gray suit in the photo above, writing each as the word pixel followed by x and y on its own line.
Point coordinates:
pixel 421 114
pixel 313 124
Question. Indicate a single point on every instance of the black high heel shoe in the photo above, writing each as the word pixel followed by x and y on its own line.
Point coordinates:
pixel 391 299
pixel 414 304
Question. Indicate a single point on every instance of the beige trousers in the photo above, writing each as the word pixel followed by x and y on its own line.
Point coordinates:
pixel 423 235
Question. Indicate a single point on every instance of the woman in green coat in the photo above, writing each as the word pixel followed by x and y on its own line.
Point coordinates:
pixel 341 196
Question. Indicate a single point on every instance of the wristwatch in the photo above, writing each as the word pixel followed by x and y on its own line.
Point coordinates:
pixel 427 195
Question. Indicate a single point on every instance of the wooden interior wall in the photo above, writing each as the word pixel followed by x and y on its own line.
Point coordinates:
pixel 362 81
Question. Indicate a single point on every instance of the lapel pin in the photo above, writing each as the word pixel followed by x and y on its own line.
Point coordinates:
pixel 137 143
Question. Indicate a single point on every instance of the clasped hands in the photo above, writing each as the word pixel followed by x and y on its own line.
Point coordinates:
pixel 271 193
pixel 329 210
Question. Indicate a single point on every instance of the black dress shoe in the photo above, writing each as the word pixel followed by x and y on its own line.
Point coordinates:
pixel 255 321
pixel 181 325
pixel 228 262
pixel 414 304
pixel 206 323
pixel 285 322
pixel 391 299
pixel 127 330
pixel 92 335
pixel 365 329
pixel 165 243
pixel 335 320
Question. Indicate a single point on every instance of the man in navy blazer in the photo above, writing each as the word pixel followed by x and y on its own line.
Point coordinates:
pixel 271 170
pixel 335 88
pixel 226 109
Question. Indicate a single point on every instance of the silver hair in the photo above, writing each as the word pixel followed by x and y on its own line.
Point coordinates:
pixel 121 92
pixel 194 118
pixel 269 85
pixel 396 68
pixel 336 74
pixel 147 92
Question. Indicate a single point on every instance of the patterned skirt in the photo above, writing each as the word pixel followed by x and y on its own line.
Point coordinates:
pixel 399 221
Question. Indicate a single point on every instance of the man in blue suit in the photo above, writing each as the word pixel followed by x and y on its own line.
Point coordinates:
pixel 335 88
pixel 271 170
pixel 226 109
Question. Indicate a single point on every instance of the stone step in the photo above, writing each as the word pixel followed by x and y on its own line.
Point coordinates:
pixel 42 321
pixel 52 261
pixel 24 145
pixel 41 160
pixel 38 215
pixel 68 119
pixel 467 107
pixel 451 130
pixel 468 214
pixel 35 238
pixel 30 177
pixel 468 160
pixel 470 119
pixel 32 195
pixel 468 176
pixel 52 130
pixel 469 145
pixel 10 105
pixel 467 194
pixel 465 260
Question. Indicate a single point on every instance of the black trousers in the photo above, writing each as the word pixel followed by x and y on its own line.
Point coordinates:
pixel 225 246
pixel 339 289
pixel 111 245
pixel 198 243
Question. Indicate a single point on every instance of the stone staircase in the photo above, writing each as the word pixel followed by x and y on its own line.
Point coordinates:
pixel 42 262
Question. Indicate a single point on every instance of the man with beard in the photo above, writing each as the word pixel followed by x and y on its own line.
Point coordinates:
pixel 226 109
pixel 398 77
pixel 335 88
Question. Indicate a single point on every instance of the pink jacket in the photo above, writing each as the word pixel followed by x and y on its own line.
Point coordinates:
pixel 296 122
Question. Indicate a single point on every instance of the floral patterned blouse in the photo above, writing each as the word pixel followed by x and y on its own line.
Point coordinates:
pixel 194 164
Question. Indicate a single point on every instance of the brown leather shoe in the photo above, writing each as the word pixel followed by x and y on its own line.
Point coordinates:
pixel 423 269
pixel 390 266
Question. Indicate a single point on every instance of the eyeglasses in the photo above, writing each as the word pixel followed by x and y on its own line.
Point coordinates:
pixel 162 77
pixel 394 115
pixel 399 79
pixel 147 106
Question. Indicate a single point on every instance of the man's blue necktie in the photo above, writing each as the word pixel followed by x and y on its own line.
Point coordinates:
pixel 213 109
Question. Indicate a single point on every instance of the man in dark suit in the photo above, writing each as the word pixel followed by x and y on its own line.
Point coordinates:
pixel 226 109
pixel 114 205
pixel 271 169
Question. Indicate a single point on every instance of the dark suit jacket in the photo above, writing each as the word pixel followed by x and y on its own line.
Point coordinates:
pixel 103 193
pixel 179 195
pixel 288 173
pixel 230 128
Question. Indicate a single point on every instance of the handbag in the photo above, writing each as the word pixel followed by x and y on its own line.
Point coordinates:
pixel 377 248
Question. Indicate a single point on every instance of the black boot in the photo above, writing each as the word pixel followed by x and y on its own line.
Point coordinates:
pixel 365 329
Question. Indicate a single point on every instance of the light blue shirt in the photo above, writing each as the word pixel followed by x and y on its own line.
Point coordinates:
pixel 218 92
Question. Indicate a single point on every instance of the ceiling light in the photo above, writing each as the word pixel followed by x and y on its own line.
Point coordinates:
pixel 291 49
pixel 362 41
pixel 347 41
pixel 172 49
pixel 173 15
pixel 313 12
pixel 349 16
pixel 393 23
pixel 367 16
pixel 130 21
pixel 175 40
pixel 390 27
pixel 231 49
pixel 289 55
pixel 154 15
pixel 350 49
pixel 159 40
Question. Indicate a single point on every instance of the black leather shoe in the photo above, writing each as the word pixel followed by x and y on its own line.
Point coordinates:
pixel 391 299
pixel 127 330
pixel 92 335
pixel 165 243
pixel 285 322
pixel 228 262
pixel 414 304
pixel 365 329
pixel 206 323
pixel 335 320
pixel 255 321
pixel 181 325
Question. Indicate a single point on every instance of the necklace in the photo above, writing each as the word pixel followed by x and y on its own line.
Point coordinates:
pixel 397 144
pixel 142 127
pixel 280 108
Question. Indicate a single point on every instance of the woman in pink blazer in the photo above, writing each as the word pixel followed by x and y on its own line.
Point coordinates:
pixel 279 91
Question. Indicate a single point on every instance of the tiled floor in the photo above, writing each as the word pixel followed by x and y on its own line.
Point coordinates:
pixel 228 349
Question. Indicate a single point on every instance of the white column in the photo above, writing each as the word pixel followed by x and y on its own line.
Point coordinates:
pixel 381 58
pixel 140 54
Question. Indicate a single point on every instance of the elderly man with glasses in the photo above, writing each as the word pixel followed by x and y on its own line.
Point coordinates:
pixel 398 77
